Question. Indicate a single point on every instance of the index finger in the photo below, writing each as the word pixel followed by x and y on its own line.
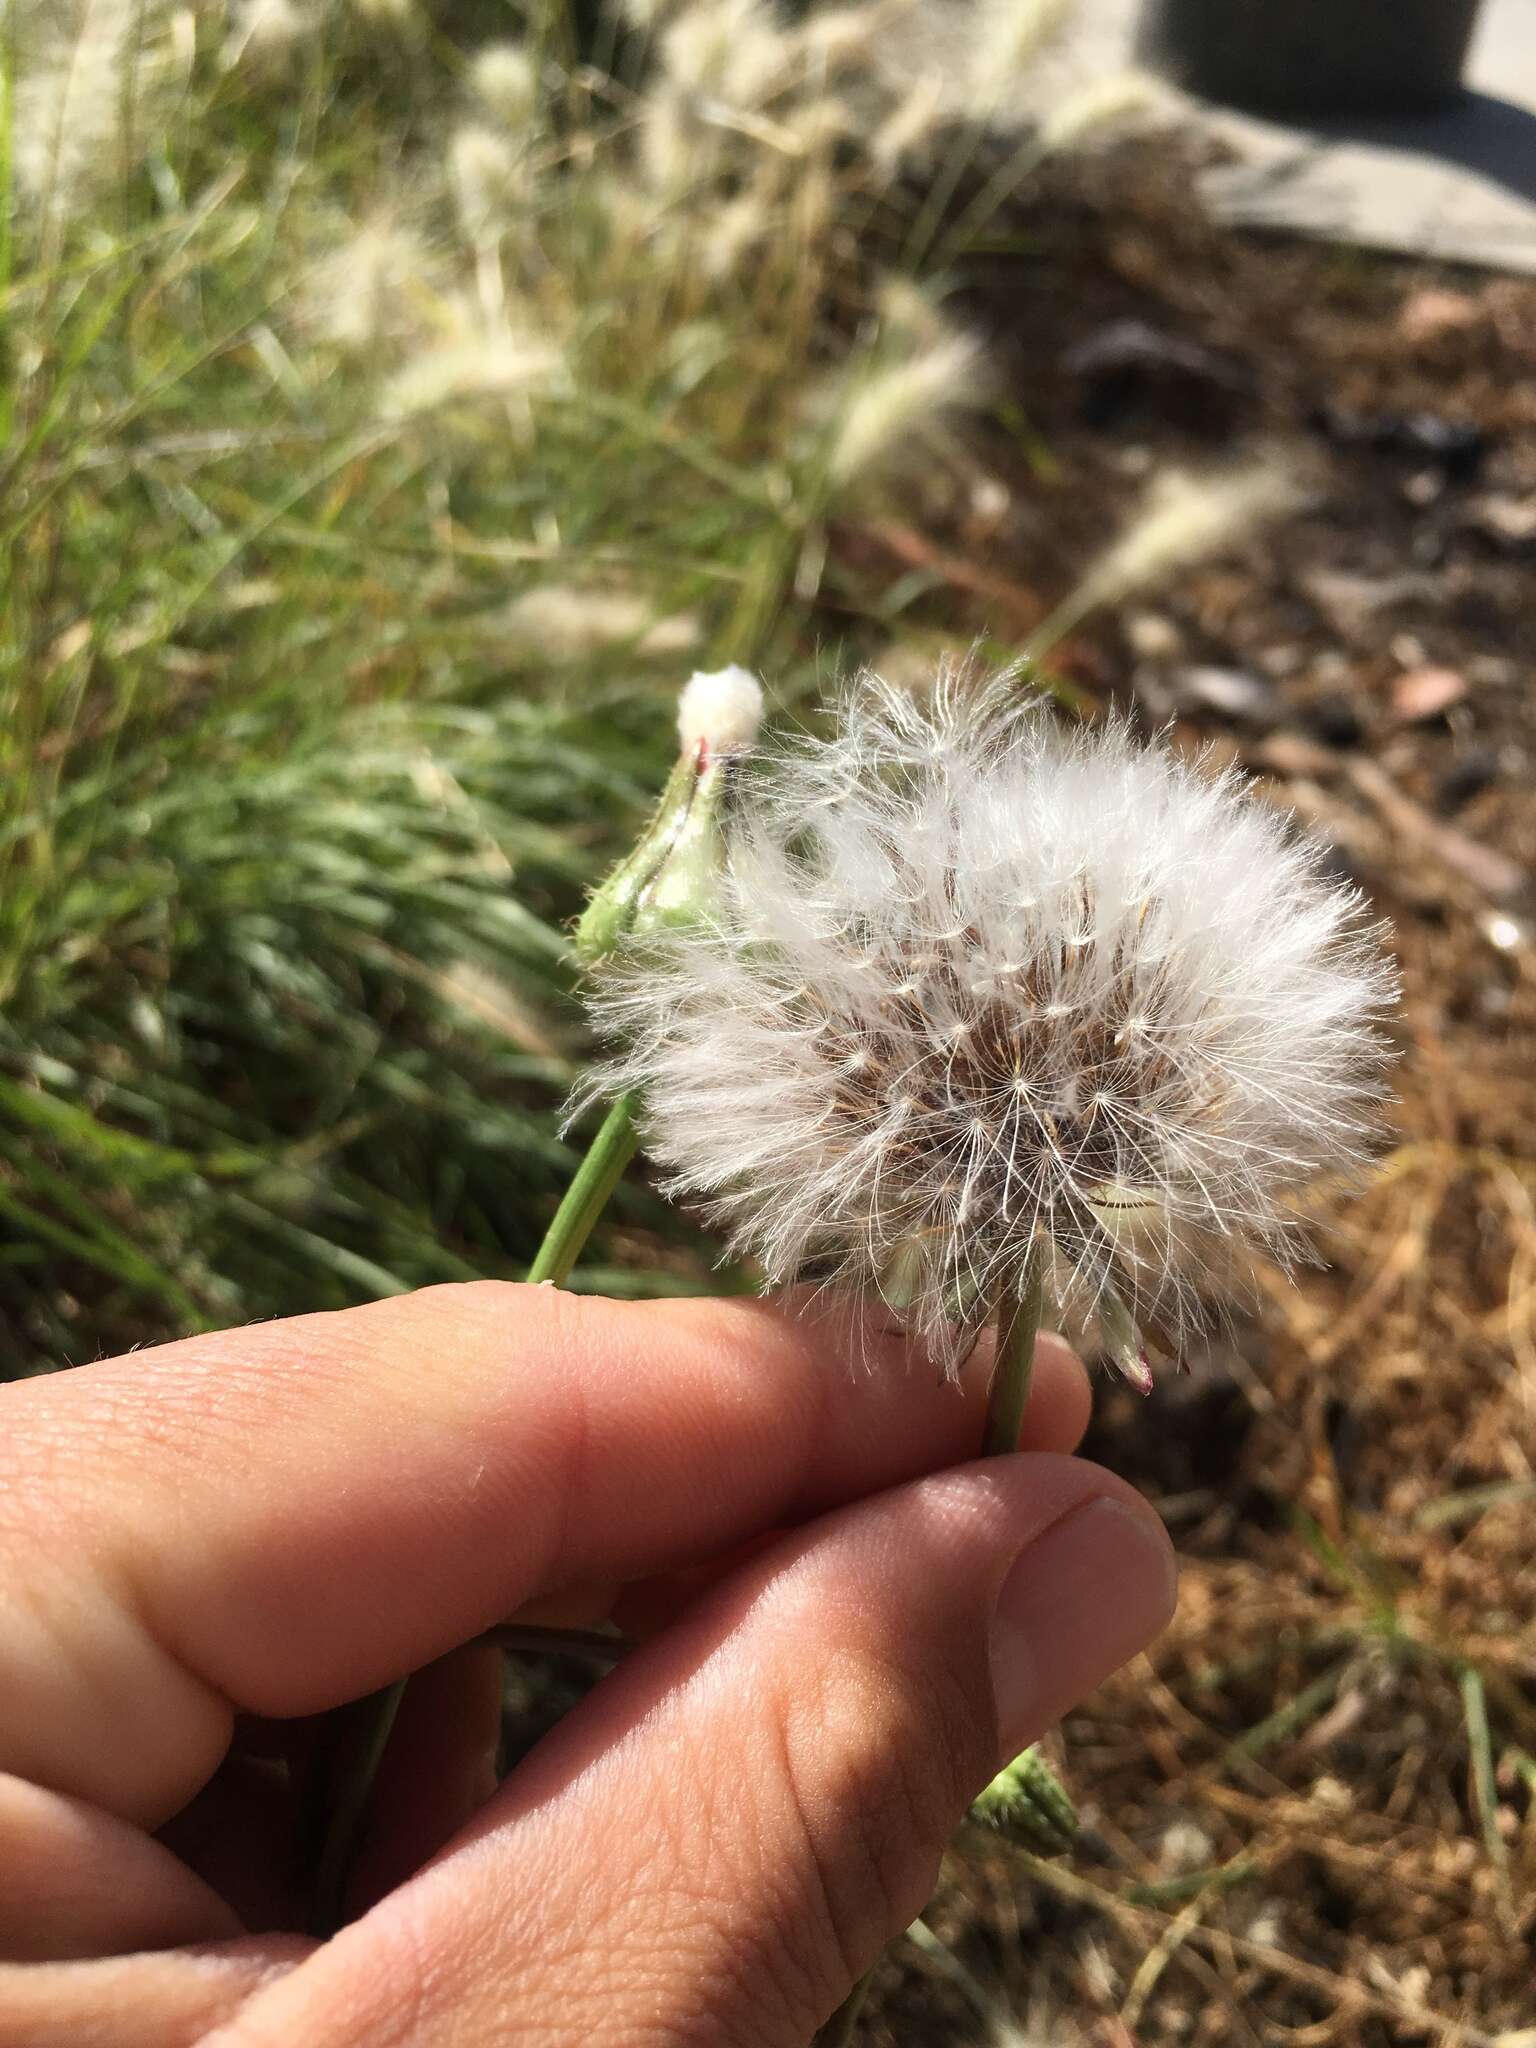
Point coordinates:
pixel 279 1518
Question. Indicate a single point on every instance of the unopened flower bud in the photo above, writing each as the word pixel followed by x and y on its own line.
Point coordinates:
pixel 668 878
pixel 1027 1803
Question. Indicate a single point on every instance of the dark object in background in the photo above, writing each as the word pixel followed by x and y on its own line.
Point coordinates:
pixel 1336 720
pixel 1473 770
pixel 1311 56
pixel 1455 446
pixel 1129 366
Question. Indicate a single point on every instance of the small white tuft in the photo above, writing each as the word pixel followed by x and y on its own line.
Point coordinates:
pixel 506 83
pixel 975 984
pixel 68 114
pixel 1006 37
pixel 490 181
pixel 1103 103
pixel 489 366
pixel 268 34
pixel 370 288
pixel 731 54
pixel 570 621
pixel 720 712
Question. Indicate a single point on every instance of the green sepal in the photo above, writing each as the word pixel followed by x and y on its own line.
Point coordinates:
pixel 668 876
pixel 1028 1803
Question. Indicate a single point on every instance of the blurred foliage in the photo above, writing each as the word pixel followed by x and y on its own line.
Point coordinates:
pixel 375 463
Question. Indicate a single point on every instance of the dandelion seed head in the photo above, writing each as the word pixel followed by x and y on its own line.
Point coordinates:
pixel 901 1045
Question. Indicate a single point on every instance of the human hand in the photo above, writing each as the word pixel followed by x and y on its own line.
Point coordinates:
pixel 847 1634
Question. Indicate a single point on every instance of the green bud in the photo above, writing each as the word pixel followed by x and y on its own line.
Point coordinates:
pixel 1027 1802
pixel 669 876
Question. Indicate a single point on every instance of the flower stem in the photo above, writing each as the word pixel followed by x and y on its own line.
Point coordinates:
pixel 587 1196
pixel 838 2031
pixel 364 1730
pixel 1018 1325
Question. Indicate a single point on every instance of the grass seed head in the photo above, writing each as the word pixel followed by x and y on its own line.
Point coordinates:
pixel 506 83
pixel 504 365
pixel 490 183
pixel 267 35
pixel 894 402
pixel 70 99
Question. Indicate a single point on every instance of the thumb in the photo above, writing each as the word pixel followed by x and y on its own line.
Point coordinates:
pixel 724 1835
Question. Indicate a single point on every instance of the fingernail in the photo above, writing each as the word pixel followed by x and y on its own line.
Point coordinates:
pixel 1082 1600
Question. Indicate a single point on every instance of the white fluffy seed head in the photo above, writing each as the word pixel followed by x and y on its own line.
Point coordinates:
pixel 720 712
pixel 1185 517
pixel 975 984
pixel 471 367
pixel 506 83
pixel 489 178
pixel 267 34
pixel 71 92
pixel 369 289
pixel 729 52
pixel 1107 102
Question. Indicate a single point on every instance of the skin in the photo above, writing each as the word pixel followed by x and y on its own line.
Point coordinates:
pixel 846 1629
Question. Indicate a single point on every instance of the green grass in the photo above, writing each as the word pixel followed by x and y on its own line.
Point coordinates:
pixel 298 797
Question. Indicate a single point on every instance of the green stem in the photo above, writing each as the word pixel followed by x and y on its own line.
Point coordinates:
pixel 359 1746
pixel 587 1196
pixel 1018 1324
pixel 839 2030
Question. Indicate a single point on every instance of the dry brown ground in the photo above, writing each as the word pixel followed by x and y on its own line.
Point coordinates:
pixel 1315 1802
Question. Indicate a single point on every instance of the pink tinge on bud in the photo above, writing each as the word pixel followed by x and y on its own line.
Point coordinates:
pixel 1138 1372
